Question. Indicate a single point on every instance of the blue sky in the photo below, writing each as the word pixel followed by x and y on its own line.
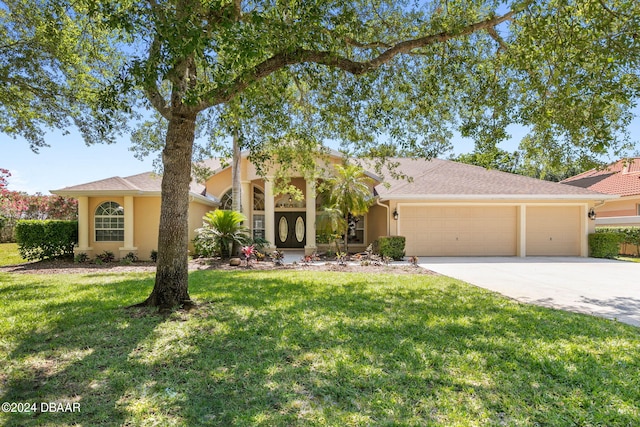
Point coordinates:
pixel 69 161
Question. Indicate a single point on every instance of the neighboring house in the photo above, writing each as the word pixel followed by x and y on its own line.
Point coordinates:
pixel 621 178
pixel 447 209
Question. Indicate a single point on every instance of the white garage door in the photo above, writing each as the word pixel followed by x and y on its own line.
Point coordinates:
pixel 458 230
pixel 553 230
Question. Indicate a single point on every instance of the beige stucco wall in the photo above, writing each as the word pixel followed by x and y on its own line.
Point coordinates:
pixel 196 212
pixel 146 225
pixel 220 183
pixel 626 206
pixel 376 223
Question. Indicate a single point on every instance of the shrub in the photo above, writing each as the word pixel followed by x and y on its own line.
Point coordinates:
pixel 628 235
pixel 392 247
pixel 42 239
pixel 154 256
pixel 223 229
pixel 106 256
pixel 604 245
pixel 131 257
pixel 260 244
pixel 81 258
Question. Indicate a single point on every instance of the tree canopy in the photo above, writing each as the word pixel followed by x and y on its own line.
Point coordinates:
pixel 384 77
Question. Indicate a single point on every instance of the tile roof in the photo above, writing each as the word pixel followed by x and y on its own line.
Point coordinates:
pixel 437 177
pixel 621 178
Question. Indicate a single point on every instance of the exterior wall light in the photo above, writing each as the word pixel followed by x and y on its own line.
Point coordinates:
pixel 592 214
pixel 395 214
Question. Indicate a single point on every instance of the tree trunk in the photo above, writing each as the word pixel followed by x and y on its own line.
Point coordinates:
pixel 172 274
pixel 236 185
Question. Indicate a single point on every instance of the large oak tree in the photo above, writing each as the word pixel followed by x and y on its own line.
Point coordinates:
pixel 387 77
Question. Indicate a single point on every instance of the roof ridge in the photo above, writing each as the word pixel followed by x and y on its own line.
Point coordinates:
pixel 128 184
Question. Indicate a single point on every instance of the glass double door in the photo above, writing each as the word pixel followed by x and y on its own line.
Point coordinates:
pixel 290 229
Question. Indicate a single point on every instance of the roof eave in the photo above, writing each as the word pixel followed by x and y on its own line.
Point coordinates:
pixel 139 193
pixel 485 197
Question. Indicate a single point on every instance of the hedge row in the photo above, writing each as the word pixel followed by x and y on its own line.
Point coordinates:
pixel 626 235
pixel 604 245
pixel 42 239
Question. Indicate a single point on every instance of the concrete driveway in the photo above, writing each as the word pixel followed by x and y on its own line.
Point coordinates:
pixel 599 287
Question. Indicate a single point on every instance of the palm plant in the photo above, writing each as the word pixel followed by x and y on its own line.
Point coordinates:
pixel 350 195
pixel 223 229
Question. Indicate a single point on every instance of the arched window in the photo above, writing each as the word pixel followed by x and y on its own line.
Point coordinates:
pixel 226 201
pixel 109 222
pixel 258 214
pixel 258 199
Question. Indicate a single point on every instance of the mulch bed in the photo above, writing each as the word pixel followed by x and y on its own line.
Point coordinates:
pixel 69 267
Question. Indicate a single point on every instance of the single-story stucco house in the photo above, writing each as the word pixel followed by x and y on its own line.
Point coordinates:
pixel 447 209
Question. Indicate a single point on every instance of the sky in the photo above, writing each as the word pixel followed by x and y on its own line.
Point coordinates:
pixel 69 161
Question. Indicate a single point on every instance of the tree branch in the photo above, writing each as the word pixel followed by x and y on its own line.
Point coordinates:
pixel 151 87
pixel 330 59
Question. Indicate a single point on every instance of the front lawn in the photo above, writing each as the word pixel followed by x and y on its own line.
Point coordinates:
pixel 294 348
pixel 9 254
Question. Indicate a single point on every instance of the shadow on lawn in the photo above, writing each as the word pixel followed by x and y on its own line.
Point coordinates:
pixel 265 349
pixel 270 351
pixel 78 355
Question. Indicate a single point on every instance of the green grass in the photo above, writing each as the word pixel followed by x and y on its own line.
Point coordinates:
pixel 9 254
pixel 287 348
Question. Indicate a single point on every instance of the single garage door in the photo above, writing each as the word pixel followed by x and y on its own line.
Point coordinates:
pixel 458 230
pixel 553 231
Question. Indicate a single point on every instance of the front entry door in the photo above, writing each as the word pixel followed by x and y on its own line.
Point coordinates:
pixel 290 229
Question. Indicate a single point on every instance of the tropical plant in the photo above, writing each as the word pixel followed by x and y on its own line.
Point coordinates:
pixel 349 195
pixel 329 221
pixel 223 230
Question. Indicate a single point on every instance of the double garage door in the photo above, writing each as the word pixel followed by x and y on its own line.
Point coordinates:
pixel 489 230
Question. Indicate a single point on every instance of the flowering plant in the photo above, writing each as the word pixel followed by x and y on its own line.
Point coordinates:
pixel 248 251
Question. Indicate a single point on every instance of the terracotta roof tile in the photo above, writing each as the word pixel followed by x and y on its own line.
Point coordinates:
pixel 621 178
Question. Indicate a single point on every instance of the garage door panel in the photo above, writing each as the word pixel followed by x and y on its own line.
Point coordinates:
pixel 459 230
pixel 553 231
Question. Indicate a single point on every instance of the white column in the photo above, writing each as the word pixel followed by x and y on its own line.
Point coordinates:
pixel 586 226
pixel 269 214
pixel 521 249
pixel 311 247
pixel 83 227
pixel 128 227
pixel 245 200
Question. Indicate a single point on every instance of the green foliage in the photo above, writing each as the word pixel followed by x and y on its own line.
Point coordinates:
pixel 347 193
pixel 604 245
pixel 222 230
pixel 260 244
pixel 106 257
pixel 131 257
pixel 628 235
pixel 81 258
pixel 42 239
pixel 391 247
pixel 56 59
